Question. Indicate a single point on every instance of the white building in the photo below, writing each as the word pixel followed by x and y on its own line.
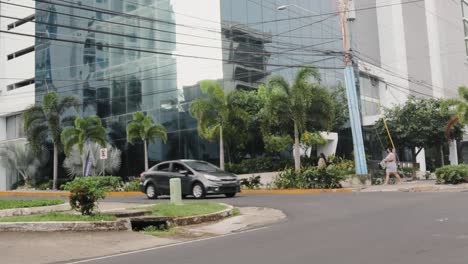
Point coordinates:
pixel 408 48
pixel 17 71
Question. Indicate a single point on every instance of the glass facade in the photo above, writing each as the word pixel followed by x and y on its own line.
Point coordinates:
pixel 123 56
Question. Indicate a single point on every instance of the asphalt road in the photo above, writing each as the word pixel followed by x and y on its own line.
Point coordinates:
pixel 384 228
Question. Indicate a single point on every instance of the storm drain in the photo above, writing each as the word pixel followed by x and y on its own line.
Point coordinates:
pixel 160 223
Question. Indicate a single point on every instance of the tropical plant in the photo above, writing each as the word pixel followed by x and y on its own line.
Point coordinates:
pixel 293 109
pixel 20 157
pixel 142 127
pixel 452 174
pixel 461 111
pixel 86 130
pixel 213 113
pixel 42 122
pixel 73 163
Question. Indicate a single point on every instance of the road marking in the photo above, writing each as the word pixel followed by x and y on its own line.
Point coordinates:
pixel 166 246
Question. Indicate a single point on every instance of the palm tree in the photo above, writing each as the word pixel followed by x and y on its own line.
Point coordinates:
pixel 143 127
pixel 294 106
pixel 85 130
pixel 461 111
pixel 213 114
pixel 45 121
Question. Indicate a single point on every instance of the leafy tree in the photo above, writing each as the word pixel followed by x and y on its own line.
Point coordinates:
pixel 293 109
pixel 143 127
pixel 419 123
pixel 340 107
pixel 242 135
pixel 20 157
pixel 46 121
pixel 213 113
pixel 86 130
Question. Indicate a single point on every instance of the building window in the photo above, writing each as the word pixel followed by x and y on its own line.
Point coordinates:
pixel 14 127
pixel 20 84
pixel 465 22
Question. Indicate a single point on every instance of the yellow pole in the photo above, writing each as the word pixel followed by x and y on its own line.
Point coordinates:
pixel 386 126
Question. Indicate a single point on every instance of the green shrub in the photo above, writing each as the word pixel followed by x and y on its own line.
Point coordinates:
pixel 311 178
pixel 257 165
pixel 132 186
pixel 110 183
pixel 406 172
pixel 452 174
pixel 251 182
pixel 86 191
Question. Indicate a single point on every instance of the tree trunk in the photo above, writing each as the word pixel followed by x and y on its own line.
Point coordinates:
pixel 297 155
pixel 146 154
pixel 221 148
pixel 442 161
pixel 55 173
pixel 83 161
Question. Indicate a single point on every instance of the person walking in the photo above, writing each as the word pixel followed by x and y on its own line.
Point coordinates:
pixel 322 162
pixel 391 166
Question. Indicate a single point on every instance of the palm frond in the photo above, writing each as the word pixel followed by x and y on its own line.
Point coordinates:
pixel 66 103
pixel 157 131
pixel 279 82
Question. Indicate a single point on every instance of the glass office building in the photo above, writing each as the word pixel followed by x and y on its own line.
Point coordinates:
pixel 123 56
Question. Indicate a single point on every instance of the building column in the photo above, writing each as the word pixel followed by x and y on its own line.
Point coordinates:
pixel 421 159
pixel 3 171
pixel 453 153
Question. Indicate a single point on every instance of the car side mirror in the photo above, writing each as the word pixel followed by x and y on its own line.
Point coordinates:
pixel 185 172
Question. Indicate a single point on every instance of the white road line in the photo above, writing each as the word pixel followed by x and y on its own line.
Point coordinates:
pixel 166 246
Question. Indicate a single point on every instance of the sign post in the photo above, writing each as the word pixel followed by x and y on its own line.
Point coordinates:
pixel 103 157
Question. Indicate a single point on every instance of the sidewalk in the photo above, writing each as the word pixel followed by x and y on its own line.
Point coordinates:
pixel 42 247
pixel 417 186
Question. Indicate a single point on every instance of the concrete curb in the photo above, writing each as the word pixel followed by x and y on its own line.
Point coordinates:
pixel 198 219
pixel 298 191
pixel 62 193
pixel 34 210
pixel 184 221
pixel 120 225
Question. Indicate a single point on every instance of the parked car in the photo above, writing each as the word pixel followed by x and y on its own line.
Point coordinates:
pixel 198 178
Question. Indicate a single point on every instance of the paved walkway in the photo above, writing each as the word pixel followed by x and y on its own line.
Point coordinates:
pixel 417 186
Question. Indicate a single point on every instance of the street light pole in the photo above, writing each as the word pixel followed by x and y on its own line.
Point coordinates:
pixel 351 94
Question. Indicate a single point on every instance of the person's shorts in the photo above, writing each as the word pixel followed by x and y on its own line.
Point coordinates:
pixel 391 168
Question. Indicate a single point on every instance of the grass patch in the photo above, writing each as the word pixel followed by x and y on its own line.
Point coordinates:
pixel 187 209
pixel 235 211
pixel 160 232
pixel 9 204
pixel 59 217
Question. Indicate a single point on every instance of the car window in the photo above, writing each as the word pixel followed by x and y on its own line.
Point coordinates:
pixel 203 166
pixel 163 167
pixel 176 167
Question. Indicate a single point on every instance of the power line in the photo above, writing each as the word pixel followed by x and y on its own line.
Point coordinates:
pixel 339 12
pixel 166 53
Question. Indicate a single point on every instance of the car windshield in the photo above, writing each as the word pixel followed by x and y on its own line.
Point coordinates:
pixel 202 166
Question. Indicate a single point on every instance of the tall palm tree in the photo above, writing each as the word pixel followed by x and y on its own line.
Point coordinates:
pixel 85 130
pixel 142 127
pixel 461 111
pixel 298 104
pixel 213 113
pixel 46 121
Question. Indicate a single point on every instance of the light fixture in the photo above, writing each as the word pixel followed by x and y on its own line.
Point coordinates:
pixel 283 7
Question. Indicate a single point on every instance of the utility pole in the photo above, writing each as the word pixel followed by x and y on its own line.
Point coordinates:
pixel 351 93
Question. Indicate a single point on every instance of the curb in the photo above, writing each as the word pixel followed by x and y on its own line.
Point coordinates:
pixel 62 194
pixel 119 225
pixel 298 191
pixel 34 210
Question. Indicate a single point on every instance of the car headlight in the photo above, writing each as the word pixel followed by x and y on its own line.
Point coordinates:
pixel 212 178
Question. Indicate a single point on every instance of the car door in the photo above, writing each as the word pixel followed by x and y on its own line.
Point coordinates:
pixel 180 171
pixel 162 177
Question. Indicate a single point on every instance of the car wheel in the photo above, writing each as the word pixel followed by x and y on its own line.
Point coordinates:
pixel 151 191
pixel 230 195
pixel 198 191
